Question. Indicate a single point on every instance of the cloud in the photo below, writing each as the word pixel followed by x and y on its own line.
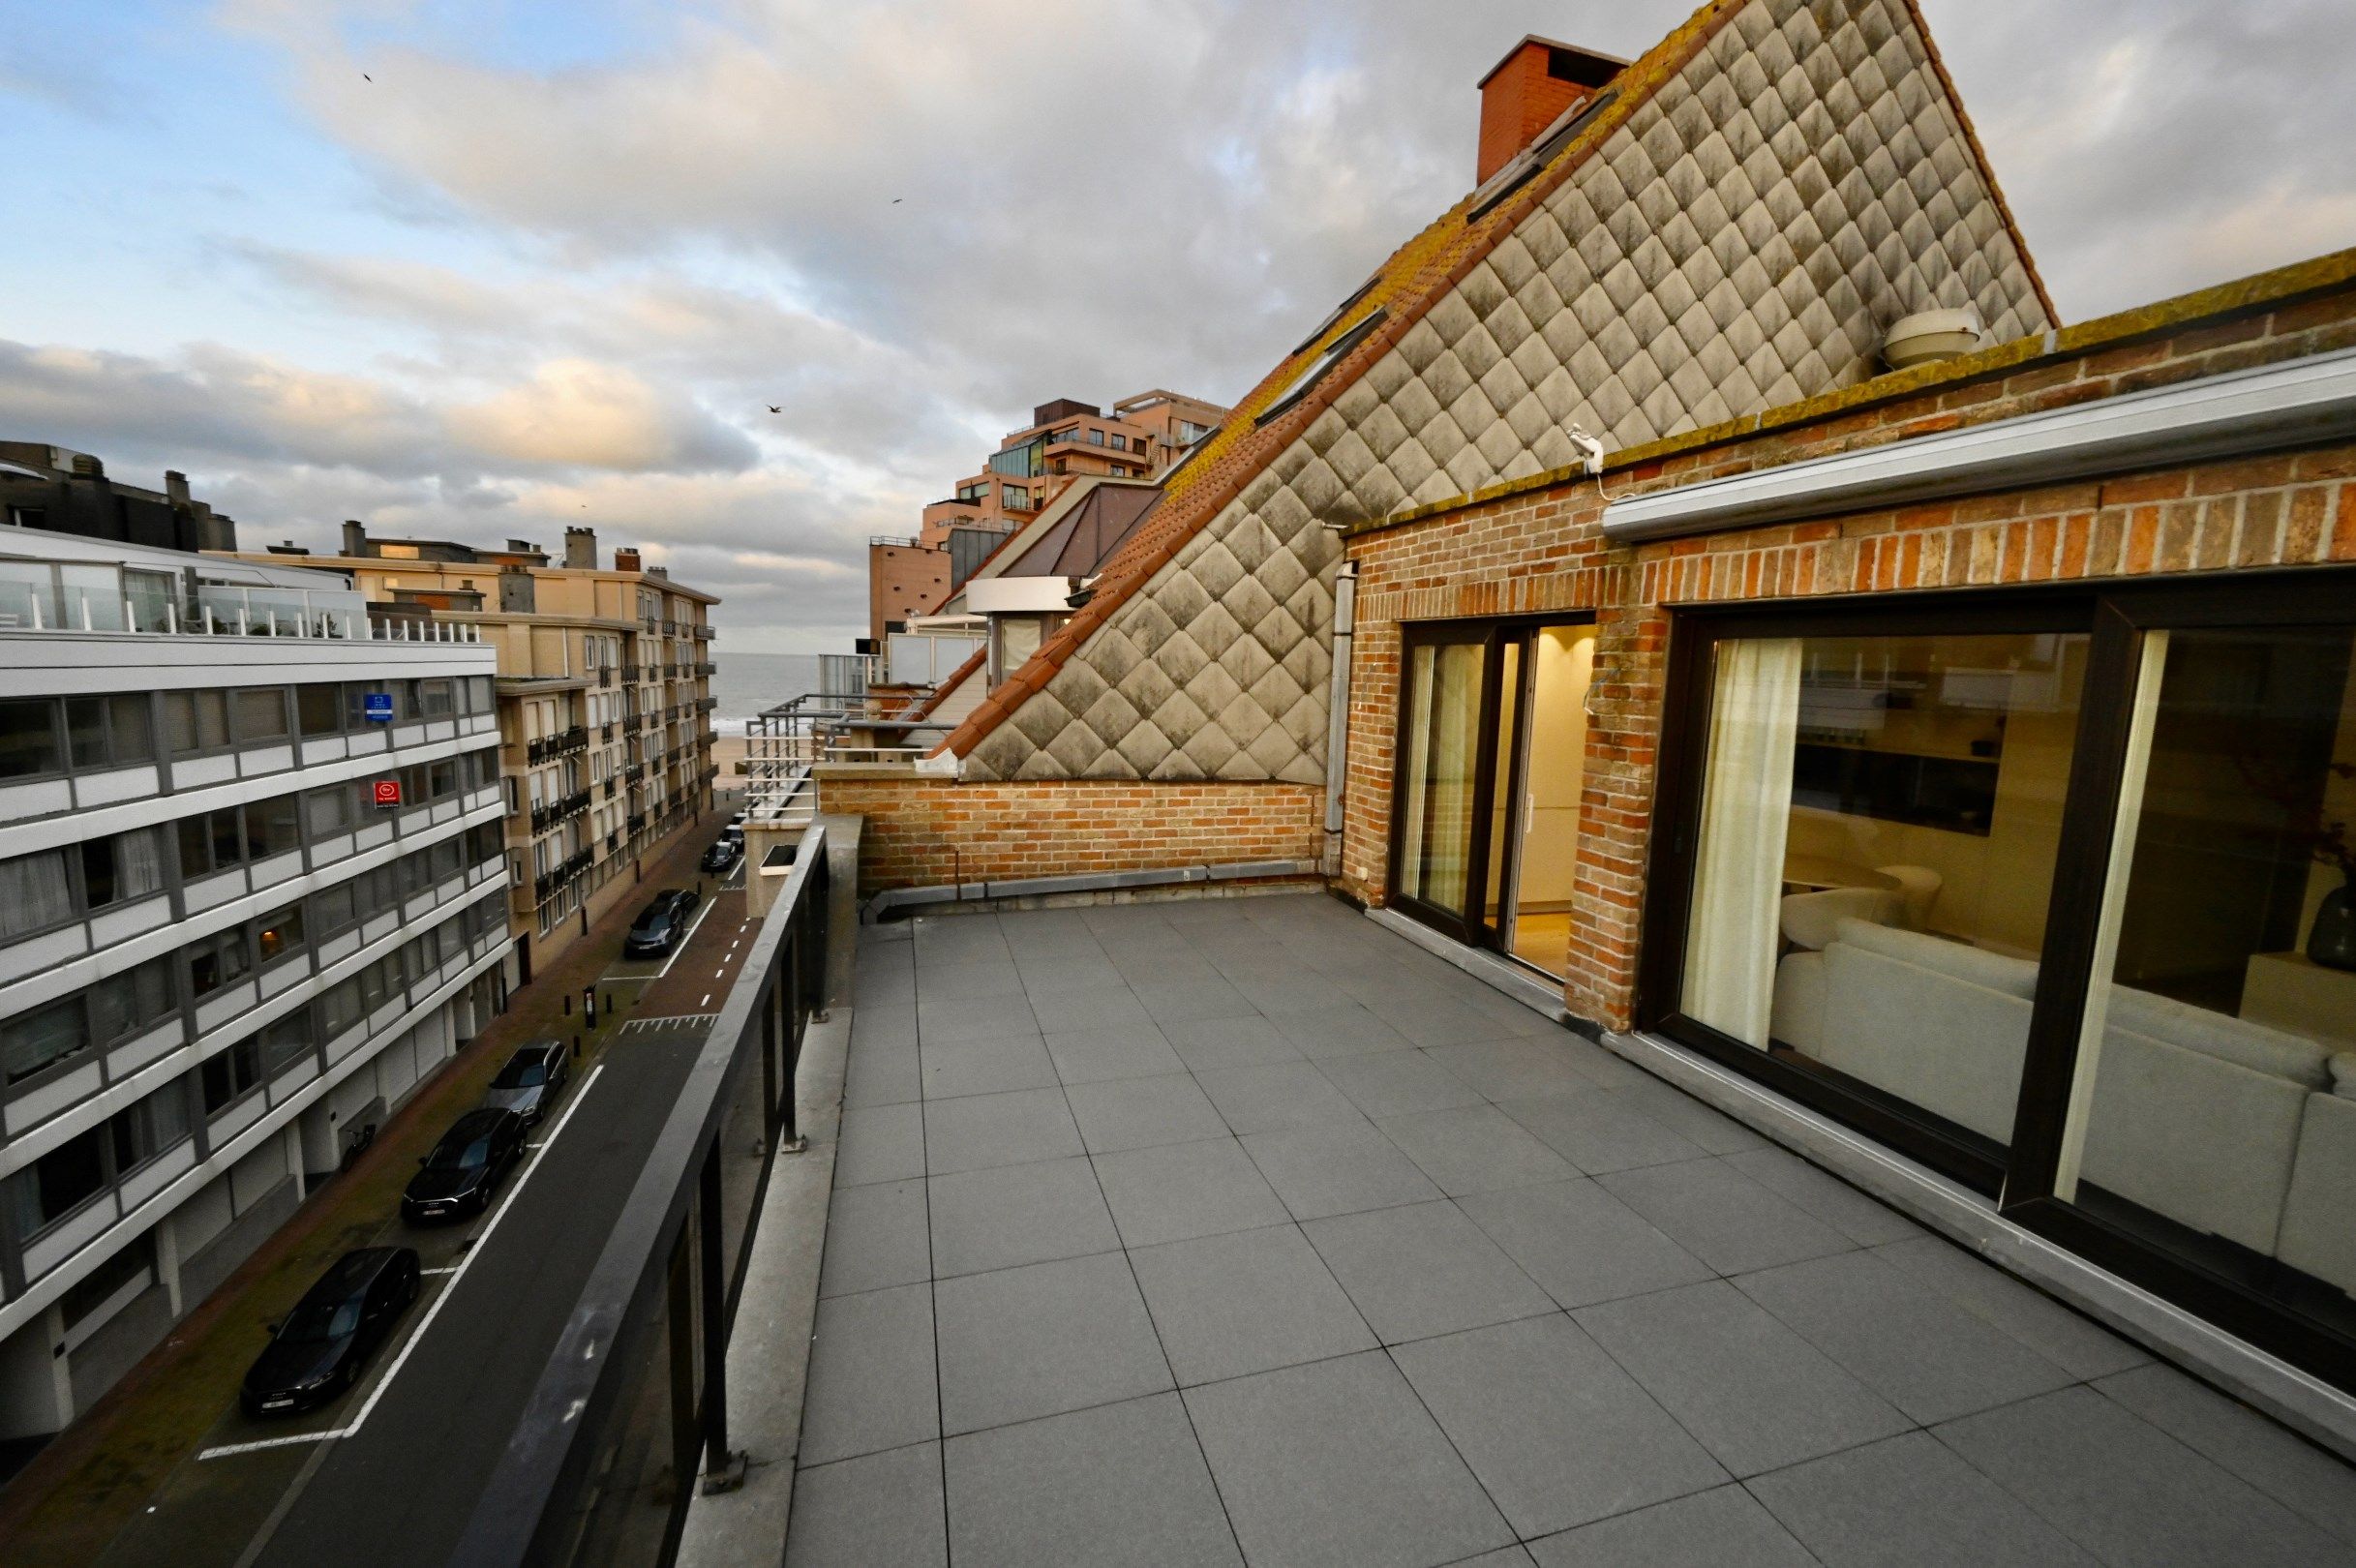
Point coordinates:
pixel 579 413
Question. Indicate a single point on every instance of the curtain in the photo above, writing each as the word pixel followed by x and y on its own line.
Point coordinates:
pixel 35 892
pixel 139 863
pixel 1746 809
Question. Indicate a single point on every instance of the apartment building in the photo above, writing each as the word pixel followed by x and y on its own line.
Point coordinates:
pixel 604 704
pixel 1138 439
pixel 251 894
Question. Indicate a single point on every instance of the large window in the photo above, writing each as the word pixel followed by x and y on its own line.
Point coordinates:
pixel 57 1184
pixel 28 738
pixel 2054 891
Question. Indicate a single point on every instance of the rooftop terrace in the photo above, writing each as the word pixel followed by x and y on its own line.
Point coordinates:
pixel 1241 1230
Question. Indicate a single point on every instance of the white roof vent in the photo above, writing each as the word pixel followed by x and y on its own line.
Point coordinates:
pixel 1929 335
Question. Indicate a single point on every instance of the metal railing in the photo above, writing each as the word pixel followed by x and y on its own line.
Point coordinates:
pixel 634 1401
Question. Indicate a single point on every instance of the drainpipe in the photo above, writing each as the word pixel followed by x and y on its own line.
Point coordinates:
pixel 1337 714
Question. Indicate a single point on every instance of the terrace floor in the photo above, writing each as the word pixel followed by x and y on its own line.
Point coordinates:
pixel 1245 1231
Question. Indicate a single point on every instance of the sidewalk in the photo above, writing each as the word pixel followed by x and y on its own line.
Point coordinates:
pixel 77 1495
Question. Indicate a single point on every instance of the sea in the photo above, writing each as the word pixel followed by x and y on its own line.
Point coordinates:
pixel 746 684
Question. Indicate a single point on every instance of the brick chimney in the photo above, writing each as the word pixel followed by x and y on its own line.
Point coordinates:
pixel 626 561
pixel 1529 90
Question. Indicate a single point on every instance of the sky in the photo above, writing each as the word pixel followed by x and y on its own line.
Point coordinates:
pixel 486 269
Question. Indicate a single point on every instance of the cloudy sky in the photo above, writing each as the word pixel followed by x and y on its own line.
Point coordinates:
pixel 485 268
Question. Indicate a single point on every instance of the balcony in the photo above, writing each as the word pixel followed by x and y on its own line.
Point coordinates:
pixel 629 675
pixel 705 666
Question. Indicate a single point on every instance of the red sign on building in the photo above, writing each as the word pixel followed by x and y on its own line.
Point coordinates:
pixel 388 794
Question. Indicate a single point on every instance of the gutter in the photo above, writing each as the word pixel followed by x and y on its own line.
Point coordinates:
pixel 1336 713
pixel 974 892
pixel 2297 402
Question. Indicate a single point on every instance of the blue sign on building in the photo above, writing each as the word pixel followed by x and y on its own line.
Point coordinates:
pixel 376 706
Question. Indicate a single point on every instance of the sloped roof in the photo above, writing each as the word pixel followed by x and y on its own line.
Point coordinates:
pixel 1430 270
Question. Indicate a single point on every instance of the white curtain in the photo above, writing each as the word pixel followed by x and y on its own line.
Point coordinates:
pixel 139 863
pixel 34 892
pixel 1746 809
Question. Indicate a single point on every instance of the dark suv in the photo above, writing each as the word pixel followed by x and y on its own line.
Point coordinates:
pixel 466 1166
pixel 318 1350
pixel 530 1081
pixel 661 924
pixel 726 851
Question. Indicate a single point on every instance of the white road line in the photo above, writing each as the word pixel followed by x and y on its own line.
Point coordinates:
pixel 432 1311
pixel 448 1269
pixel 707 1002
pixel 692 927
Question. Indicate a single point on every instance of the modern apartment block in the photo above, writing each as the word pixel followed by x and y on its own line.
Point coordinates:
pixel 604 702
pixel 1140 437
pixel 251 894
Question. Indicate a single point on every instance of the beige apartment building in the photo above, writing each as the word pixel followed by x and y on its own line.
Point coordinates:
pixel 604 705
pixel 1141 437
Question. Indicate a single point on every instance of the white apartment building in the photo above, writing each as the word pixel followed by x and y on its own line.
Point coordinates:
pixel 252 894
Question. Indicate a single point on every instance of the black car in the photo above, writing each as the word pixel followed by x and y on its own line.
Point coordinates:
pixel 726 851
pixel 530 1081
pixel 318 1350
pixel 660 924
pixel 465 1167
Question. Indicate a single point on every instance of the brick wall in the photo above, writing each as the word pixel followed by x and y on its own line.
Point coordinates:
pixel 1539 549
pixel 921 831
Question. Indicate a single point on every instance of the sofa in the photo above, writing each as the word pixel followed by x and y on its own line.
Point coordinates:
pixel 2225 1126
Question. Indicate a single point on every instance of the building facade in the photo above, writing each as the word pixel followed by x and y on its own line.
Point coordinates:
pixel 604 697
pixel 251 894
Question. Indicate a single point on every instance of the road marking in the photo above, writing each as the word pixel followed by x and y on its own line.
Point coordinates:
pixel 693 926
pixel 707 1002
pixel 432 1311
pixel 451 1268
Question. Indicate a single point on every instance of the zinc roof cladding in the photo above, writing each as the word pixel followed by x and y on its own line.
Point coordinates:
pixel 1403 289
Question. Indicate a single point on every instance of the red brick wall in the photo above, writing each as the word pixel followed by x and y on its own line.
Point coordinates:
pixel 922 831
pixel 1542 550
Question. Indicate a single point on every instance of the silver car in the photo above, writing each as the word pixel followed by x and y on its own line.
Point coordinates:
pixel 530 1081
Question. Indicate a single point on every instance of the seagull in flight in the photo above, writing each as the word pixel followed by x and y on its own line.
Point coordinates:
pixel 776 408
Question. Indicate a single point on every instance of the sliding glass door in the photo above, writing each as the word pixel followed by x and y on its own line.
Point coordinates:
pixel 1485 819
pixel 2051 892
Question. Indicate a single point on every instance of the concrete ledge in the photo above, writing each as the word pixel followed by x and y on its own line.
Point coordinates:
pixel 769 1350
pixel 2296 1399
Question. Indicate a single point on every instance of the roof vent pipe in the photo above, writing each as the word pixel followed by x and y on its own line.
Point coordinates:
pixel 1932 335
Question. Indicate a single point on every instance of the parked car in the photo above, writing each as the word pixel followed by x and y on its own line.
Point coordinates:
pixel 660 924
pixel 316 1350
pixel 726 853
pixel 466 1167
pixel 530 1081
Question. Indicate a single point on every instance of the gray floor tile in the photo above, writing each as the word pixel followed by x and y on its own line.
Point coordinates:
pixel 1274 1095
pixel 967 981
pixel 1903 1340
pixel 1424 1269
pixel 1344 1030
pixel 1862 1219
pixel 1139 1113
pixel 1911 1500
pixel 1515 1069
pixel 2127 1492
pixel 1069 1010
pixel 1183 1190
pixel 987 1067
pixel 1068 972
pixel 1122 1485
pixel 1475 1149
pixel 1710 1530
pixel 878 1510
pixel 1205 1043
pixel 2286 1467
pixel 871 1383
pixel 1600 1133
pixel 880 1143
pixel 1512 1556
pixel 1580 1243
pixel 882 1076
pixel 1017 1213
pixel 876 1236
pixel 2063 1337
pixel 1722 1217
pixel 1758 1395
pixel 981 1131
pixel 1287 990
pixel 945 1023
pixel 1169 1002
pixel 1395 1083
pixel 1094 1055
pixel 1246 1302
pixel 885 1025
pixel 1338 1168
pixel 1019 1344
pixel 1690 1118
pixel 882 986
pixel 1336 1465
pixel 1555 1433
pixel 1434 1020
